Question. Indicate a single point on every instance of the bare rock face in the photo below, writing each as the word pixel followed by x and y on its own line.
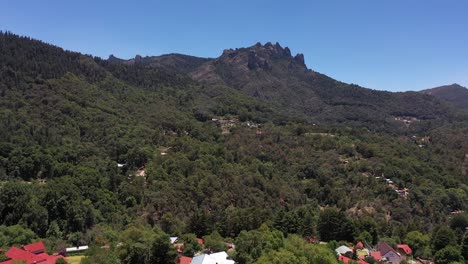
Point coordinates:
pixel 254 61
pixel 138 59
pixel 299 58
pixel 261 57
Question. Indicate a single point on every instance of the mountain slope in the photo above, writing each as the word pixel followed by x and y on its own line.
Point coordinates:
pixel 121 144
pixel 454 94
pixel 54 99
pixel 271 74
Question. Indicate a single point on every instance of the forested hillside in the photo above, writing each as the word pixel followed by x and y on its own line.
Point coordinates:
pixel 113 152
pixel 454 94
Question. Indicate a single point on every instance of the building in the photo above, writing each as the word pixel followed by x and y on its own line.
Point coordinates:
pixel 215 258
pixel 404 249
pixel 376 256
pixel 344 251
pixel 30 254
pixel 185 260
pixel 348 260
pixel 388 253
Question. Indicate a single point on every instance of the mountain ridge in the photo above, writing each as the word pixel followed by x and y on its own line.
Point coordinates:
pixel 88 144
pixel 269 73
pixel 453 93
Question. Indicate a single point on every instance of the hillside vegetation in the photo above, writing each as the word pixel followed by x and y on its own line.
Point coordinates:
pixel 103 152
pixel 454 94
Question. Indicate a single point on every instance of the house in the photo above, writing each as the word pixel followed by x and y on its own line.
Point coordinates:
pixel 344 250
pixel 35 248
pixel 215 258
pixel 376 255
pixel 31 254
pixel 359 245
pixel 184 260
pixel 389 253
pixel 173 239
pixel 404 249
pixel 76 249
pixel 362 253
pixel 348 260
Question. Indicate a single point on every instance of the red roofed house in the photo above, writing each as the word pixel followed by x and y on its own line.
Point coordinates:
pixel 359 245
pixel 31 254
pixel 185 260
pixel 404 249
pixel 35 248
pixel 376 255
pixel 348 260
pixel 389 253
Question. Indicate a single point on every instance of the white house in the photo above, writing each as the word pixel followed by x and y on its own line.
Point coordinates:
pixel 215 258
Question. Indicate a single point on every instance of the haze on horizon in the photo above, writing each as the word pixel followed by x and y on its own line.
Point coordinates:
pixel 396 45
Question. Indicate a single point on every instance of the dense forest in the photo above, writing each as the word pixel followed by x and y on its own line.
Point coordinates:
pixel 125 154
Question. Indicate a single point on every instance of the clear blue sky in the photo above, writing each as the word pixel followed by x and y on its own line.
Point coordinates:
pixel 381 44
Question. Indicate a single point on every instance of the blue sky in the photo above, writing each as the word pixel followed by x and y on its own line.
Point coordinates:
pixel 391 45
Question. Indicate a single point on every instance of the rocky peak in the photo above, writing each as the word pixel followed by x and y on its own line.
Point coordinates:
pixel 299 58
pixel 138 59
pixel 261 56
pixel 113 59
pixel 275 50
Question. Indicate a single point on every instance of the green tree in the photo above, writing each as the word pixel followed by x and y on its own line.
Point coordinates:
pixel 161 250
pixel 136 242
pixel 15 235
pixel 465 246
pixel 364 237
pixel 334 225
pixel 280 257
pixel 171 224
pixel 215 242
pixel 448 254
pixel 250 245
pixel 443 237
pixel 417 241
pixel 54 230
pixel 190 244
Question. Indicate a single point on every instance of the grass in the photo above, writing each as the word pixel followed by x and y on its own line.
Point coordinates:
pixel 75 259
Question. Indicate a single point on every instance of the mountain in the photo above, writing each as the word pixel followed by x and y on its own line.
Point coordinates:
pixel 249 146
pixel 454 94
pixel 173 62
pixel 270 74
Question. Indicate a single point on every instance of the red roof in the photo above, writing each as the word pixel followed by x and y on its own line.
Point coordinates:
pixel 15 253
pixel 200 241
pixel 376 255
pixel 185 260
pixel 359 244
pixel 35 247
pixel 51 260
pixel 348 260
pixel 405 248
